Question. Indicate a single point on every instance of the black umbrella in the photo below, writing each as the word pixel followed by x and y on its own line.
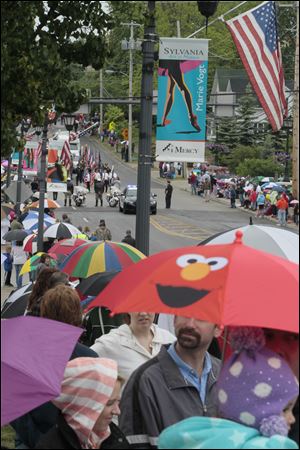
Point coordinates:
pixel 15 309
pixel 15 235
pixel 94 284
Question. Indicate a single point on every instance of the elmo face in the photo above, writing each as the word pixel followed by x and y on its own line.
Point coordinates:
pixel 195 278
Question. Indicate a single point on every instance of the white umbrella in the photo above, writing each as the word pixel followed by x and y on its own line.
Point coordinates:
pixel 270 185
pixel 267 179
pixel 272 240
pixel 61 230
pixel 31 222
pixel 15 295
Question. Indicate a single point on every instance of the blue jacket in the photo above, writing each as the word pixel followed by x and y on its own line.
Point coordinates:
pixel 8 262
pixel 205 432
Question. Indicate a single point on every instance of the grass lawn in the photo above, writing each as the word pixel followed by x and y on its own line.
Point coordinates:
pixel 8 437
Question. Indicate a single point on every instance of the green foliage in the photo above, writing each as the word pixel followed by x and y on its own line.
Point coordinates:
pixel 240 154
pixel 256 167
pixel 227 132
pixel 115 114
pixel 39 40
pixel 246 111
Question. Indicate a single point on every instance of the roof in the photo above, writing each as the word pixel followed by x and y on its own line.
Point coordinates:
pixel 238 79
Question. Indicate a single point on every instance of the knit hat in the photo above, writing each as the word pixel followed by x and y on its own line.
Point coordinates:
pixel 255 384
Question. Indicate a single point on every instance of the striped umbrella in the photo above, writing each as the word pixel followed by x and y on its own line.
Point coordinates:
pixel 272 240
pixel 31 222
pixel 31 264
pixel 61 230
pixel 96 257
pixel 66 246
pixel 48 203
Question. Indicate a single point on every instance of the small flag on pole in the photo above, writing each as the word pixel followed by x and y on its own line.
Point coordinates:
pixel 65 156
pixel 256 38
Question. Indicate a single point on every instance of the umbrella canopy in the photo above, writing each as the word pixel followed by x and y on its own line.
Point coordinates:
pixel 61 230
pixel 16 302
pixel 15 235
pixel 269 185
pixel 48 203
pixel 34 354
pixel 272 240
pixel 228 285
pixel 95 284
pixel 267 179
pixel 31 264
pixel 294 202
pixel 15 309
pixel 96 257
pixel 6 209
pixel 66 246
pixel 278 188
pixel 31 222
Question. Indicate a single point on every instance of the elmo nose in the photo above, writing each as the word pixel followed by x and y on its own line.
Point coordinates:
pixel 194 272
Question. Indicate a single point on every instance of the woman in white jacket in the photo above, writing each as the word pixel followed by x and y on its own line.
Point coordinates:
pixel 134 344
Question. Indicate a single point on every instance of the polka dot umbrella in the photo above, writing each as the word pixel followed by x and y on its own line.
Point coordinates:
pixel 94 257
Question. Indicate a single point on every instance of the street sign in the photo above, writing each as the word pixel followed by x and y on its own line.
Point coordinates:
pixel 11 192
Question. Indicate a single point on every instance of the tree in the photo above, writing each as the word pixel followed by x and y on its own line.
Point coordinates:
pixel 246 111
pixel 227 133
pixel 115 114
pixel 39 41
pixel 240 154
pixel 257 167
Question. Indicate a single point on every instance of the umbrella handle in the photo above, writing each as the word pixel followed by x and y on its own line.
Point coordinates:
pixel 226 331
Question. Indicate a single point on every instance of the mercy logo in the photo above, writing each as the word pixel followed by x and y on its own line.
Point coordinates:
pixel 174 149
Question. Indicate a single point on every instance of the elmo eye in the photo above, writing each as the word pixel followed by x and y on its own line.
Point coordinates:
pixel 217 263
pixel 186 260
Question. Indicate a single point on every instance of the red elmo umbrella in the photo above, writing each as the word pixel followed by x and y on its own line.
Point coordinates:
pixel 224 284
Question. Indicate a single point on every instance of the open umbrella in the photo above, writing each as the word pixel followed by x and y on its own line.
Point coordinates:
pixel 61 230
pixel 31 264
pixel 267 179
pixel 272 240
pixel 48 203
pixel 66 246
pixel 34 354
pixel 96 257
pixel 15 235
pixel 31 222
pixel 294 202
pixel 16 302
pixel 95 284
pixel 224 284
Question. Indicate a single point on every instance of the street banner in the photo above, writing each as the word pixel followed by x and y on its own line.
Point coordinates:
pixel 56 172
pixel 181 109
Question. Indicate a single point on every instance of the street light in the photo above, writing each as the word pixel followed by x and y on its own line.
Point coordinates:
pixel 69 122
pixel 25 125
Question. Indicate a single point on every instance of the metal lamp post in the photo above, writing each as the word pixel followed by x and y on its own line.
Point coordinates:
pixel 145 157
pixel 25 125
pixel 69 122
pixel 42 180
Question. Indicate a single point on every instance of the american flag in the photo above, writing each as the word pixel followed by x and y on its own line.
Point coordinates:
pixel 256 38
pixel 65 156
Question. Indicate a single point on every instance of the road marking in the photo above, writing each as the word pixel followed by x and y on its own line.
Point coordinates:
pixel 74 208
pixel 85 219
pixel 175 227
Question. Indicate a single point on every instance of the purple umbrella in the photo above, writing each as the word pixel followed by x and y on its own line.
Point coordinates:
pixel 34 354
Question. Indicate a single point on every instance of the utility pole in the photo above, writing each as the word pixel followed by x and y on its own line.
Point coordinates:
pixel 295 153
pixel 42 184
pixel 101 96
pixel 131 47
pixel 145 157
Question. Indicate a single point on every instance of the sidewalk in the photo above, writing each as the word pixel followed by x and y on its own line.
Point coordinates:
pixel 182 184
